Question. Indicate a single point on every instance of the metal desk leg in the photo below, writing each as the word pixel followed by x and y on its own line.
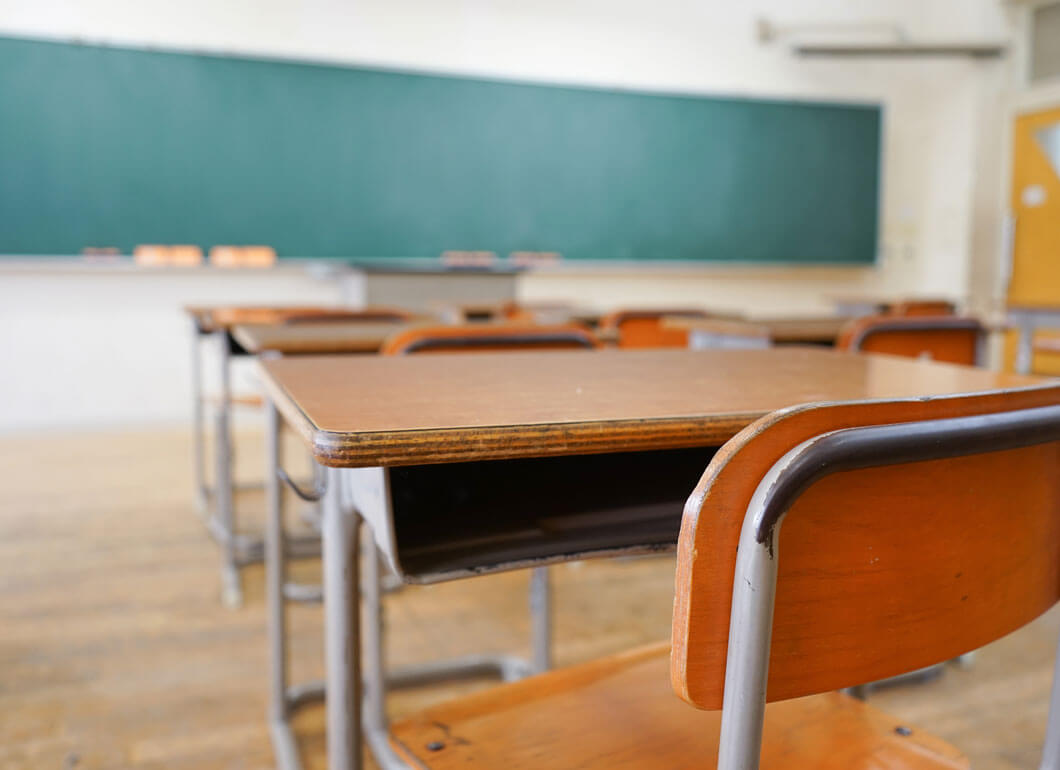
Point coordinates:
pixel 541 618
pixel 231 587
pixel 376 726
pixel 1025 347
pixel 340 544
pixel 198 433
pixel 283 741
pixel 1051 750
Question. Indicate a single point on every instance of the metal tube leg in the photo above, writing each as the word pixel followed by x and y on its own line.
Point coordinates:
pixel 275 570
pixel 339 534
pixel 198 433
pixel 372 639
pixel 232 590
pixel 280 706
pixel 1025 347
pixel 747 661
pixel 541 618
pixel 1051 750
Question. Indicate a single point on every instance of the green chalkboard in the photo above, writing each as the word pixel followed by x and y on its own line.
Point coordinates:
pixel 104 146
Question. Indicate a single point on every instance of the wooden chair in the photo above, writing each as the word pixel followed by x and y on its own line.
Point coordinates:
pixel 646 329
pixel 952 339
pixel 916 307
pixel 487 338
pixel 912 531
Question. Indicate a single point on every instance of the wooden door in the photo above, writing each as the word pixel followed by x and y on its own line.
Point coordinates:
pixel 1035 205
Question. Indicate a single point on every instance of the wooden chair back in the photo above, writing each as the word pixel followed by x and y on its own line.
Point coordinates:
pixel 951 339
pixel 880 570
pixel 915 307
pixel 486 338
pixel 646 328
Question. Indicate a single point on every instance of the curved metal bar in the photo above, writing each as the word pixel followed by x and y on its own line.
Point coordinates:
pixel 754 586
pixel 882 445
pixel 313 496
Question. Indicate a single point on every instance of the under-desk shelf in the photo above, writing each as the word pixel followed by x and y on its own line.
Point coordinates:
pixel 489 515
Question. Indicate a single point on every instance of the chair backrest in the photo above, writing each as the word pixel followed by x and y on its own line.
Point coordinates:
pixel 922 307
pixel 913 531
pixel 486 338
pixel 645 328
pixel 952 339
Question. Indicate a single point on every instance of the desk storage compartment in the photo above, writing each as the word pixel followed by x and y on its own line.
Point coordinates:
pixel 485 516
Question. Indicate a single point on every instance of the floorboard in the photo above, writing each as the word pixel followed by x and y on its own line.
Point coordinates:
pixel 115 651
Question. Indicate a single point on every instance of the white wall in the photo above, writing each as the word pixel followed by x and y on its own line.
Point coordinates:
pixel 93 346
pixel 940 172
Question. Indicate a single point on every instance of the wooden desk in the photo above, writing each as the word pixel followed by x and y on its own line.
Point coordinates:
pixel 810 330
pixel 319 338
pixel 215 318
pixel 544 457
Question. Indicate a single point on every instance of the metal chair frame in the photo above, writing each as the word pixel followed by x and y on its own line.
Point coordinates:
pixel 754 587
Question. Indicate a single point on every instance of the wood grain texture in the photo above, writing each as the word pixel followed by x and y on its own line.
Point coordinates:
pixel 489 338
pixel 318 338
pixel 925 337
pixel 619 712
pixel 536 404
pixel 881 571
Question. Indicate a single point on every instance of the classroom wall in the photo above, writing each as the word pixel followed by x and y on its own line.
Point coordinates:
pixel 932 154
pixel 91 346
pixel 942 135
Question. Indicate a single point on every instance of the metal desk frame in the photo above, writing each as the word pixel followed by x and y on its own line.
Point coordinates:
pixel 216 505
pixel 353 568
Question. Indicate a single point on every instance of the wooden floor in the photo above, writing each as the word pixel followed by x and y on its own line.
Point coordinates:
pixel 116 653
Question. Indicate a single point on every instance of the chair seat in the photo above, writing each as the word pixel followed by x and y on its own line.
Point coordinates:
pixel 620 712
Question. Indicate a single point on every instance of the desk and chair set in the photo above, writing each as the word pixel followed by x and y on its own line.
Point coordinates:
pixel 852 517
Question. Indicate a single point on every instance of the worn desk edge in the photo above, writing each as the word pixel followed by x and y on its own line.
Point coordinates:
pixel 491 442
